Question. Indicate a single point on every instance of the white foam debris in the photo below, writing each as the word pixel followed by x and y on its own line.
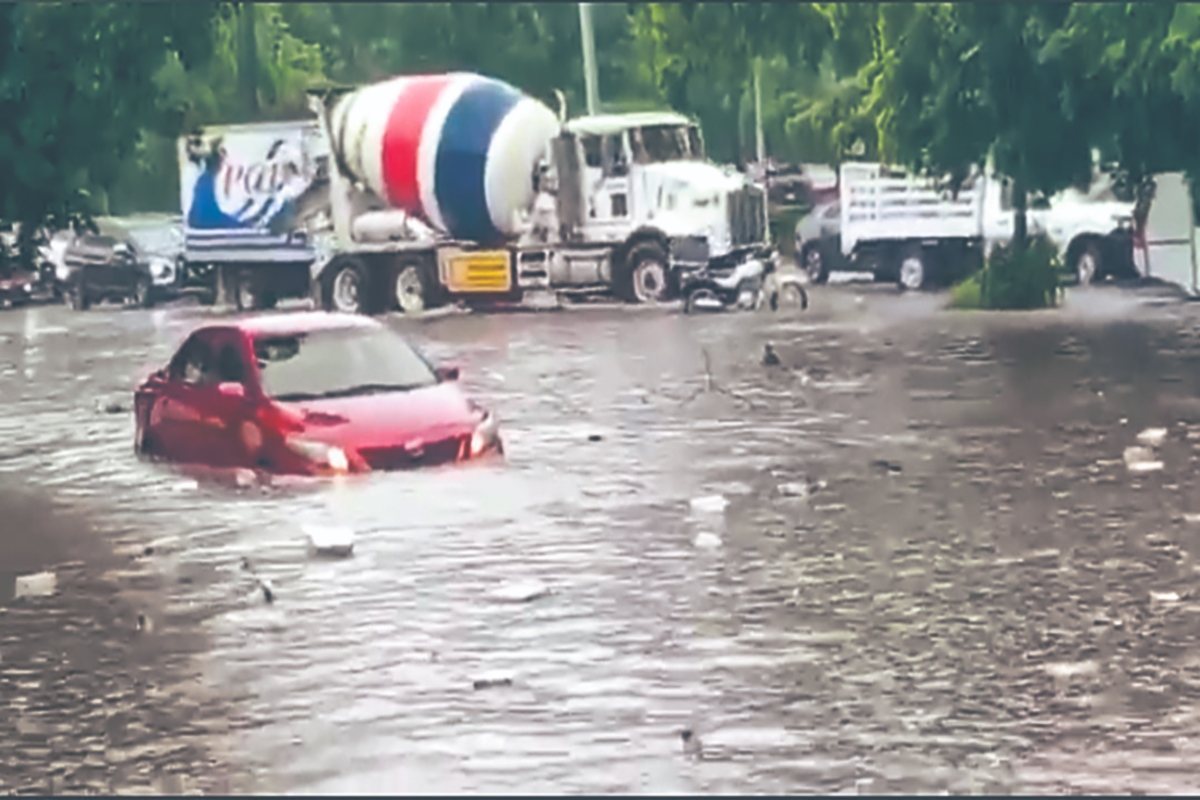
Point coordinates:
pixel 711 503
pixel 706 541
pixel 1141 459
pixel 1071 669
pixel 521 591
pixel 329 540
pixel 1164 597
pixel 1152 437
pixel 39 584
pixel 795 489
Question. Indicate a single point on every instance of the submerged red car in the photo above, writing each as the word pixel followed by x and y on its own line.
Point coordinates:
pixel 310 394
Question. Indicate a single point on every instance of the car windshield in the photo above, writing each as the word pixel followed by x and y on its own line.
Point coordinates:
pixel 339 363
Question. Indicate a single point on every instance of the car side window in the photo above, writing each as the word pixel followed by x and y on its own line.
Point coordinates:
pixel 231 367
pixel 193 364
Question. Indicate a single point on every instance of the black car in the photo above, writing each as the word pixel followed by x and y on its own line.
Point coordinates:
pixel 102 267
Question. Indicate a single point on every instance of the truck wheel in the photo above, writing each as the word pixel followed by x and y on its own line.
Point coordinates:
pixel 1087 264
pixel 647 277
pixel 409 288
pixel 913 269
pixel 347 289
pixel 812 258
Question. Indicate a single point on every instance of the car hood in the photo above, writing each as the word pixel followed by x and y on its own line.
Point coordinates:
pixel 388 418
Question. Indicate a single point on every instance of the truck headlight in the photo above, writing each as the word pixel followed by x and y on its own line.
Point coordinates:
pixel 320 453
pixel 486 435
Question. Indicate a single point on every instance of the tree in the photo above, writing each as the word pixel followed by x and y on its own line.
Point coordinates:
pixel 952 84
pixel 75 91
pixel 701 57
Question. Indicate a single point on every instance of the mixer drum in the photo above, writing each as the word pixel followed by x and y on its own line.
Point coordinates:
pixel 458 150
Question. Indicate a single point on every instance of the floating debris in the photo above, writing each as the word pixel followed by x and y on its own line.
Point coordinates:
pixel 887 466
pixel 521 591
pixel 330 541
pixel 707 541
pixel 796 489
pixel 770 357
pixel 39 584
pixel 594 437
pixel 1141 459
pixel 1152 437
pixel 692 745
pixel 492 683
pixel 712 503
pixel 1164 597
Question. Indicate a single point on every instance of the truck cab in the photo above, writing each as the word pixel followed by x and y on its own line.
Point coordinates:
pixel 642 185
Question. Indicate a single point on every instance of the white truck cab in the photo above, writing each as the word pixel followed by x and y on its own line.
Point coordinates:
pixel 641 184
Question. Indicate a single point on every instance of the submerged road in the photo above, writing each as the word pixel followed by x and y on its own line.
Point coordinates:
pixel 910 558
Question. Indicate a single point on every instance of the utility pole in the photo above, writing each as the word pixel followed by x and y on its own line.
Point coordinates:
pixel 760 146
pixel 589 57
pixel 248 58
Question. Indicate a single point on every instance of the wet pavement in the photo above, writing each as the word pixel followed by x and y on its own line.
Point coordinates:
pixel 909 558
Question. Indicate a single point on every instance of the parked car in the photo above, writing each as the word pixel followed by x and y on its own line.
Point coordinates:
pixel 115 266
pixel 309 393
pixel 819 242
pixel 16 288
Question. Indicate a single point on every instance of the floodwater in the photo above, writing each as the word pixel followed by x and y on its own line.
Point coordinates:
pixel 910 558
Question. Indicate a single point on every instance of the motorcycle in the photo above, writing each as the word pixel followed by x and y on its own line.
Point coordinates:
pixel 748 286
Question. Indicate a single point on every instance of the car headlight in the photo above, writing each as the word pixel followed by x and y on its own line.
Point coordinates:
pixel 320 453
pixel 486 435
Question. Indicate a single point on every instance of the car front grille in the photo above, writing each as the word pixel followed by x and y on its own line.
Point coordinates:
pixel 398 457
pixel 747 223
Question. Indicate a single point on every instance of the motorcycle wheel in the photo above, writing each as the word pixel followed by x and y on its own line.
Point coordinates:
pixel 697 298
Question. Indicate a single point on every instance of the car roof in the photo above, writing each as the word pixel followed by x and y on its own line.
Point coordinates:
pixel 290 324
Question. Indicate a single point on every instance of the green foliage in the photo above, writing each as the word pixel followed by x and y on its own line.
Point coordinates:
pixel 968 293
pixel 75 93
pixel 1013 278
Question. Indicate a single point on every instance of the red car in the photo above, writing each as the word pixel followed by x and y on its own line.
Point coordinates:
pixel 309 394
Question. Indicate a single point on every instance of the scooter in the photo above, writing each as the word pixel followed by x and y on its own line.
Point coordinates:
pixel 748 286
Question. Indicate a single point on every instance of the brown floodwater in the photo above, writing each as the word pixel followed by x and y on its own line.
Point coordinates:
pixel 911 558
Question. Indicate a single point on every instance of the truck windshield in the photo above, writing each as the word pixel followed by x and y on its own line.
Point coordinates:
pixel 654 144
pixel 339 363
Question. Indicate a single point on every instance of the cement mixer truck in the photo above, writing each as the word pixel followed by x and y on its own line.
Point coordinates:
pixel 457 188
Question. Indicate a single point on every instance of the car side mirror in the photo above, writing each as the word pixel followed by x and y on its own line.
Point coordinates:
pixel 447 373
pixel 231 389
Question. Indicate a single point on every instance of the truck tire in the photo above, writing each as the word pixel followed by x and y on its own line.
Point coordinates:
pixel 913 272
pixel 410 288
pixel 346 288
pixel 645 276
pixel 814 263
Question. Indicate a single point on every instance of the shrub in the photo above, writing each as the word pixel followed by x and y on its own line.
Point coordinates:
pixel 1011 281
pixel 967 294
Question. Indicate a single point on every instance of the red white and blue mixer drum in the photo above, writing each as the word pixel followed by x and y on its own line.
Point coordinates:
pixel 457 149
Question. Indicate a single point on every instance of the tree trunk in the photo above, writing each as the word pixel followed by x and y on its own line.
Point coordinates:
pixel 248 58
pixel 1020 202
